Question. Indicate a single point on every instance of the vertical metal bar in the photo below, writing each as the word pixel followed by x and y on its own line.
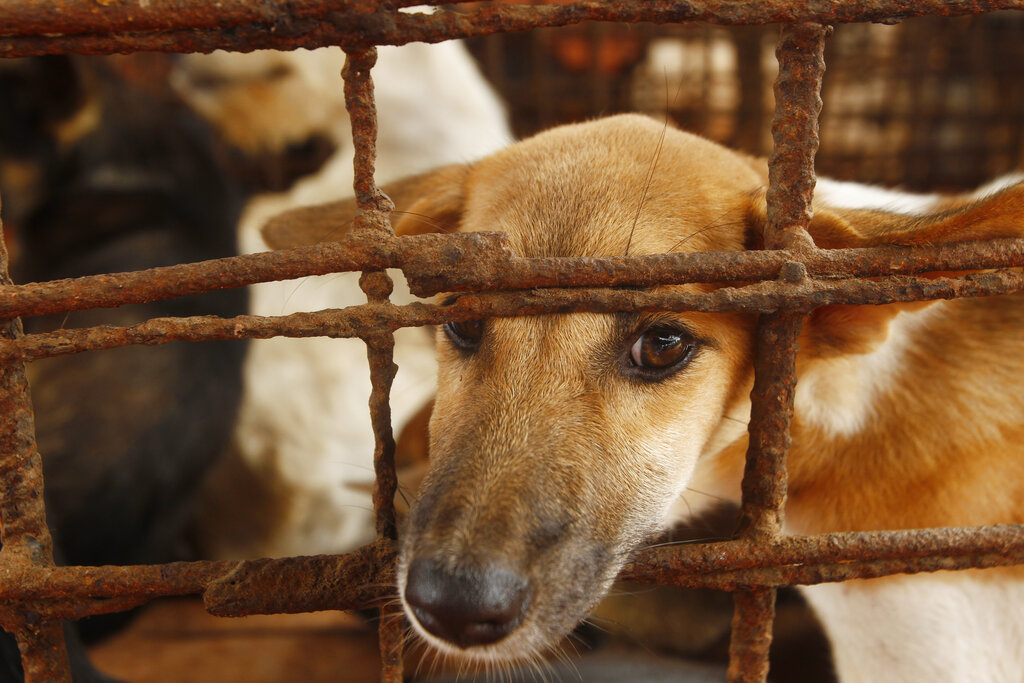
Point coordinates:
pixel 392 629
pixel 748 649
pixel 373 204
pixel 764 477
pixel 26 538
pixel 791 179
pixel 791 184
pixel 44 656
pixel 374 208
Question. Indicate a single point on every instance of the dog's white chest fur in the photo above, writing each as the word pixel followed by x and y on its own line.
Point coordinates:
pixel 940 628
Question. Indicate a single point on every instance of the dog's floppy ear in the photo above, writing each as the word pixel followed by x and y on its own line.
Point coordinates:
pixel 1000 214
pixel 859 329
pixel 429 202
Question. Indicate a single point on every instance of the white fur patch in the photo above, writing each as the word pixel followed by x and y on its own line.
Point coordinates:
pixel 845 195
pixel 838 394
pixel 960 627
pixel 998 185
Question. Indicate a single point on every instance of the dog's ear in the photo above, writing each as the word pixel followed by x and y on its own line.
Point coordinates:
pixel 429 202
pixel 1000 214
pixel 838 329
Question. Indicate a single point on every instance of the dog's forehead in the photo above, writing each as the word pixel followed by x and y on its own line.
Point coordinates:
pixel 590 189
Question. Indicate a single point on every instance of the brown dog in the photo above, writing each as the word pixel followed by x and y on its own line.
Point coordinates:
pixel 560 442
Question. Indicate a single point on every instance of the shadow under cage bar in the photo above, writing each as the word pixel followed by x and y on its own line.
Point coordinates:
pixel 38 593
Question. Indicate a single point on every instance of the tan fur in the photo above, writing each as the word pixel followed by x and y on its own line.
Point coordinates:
pixel 550 460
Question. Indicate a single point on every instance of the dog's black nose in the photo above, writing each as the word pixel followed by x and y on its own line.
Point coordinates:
pixel 466 606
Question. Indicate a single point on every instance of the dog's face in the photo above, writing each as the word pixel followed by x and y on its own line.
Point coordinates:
pixel 559 442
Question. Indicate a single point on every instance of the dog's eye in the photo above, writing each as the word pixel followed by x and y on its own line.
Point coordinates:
pixel 659 351
pixel 465 335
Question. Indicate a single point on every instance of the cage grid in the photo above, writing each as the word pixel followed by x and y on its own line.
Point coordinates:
pixel 782 285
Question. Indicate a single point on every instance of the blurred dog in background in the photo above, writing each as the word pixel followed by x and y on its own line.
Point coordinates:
pixel 298 479
pixel 99 173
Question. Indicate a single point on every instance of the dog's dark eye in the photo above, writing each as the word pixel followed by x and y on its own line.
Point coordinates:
pixel 465 335
pixel 660 351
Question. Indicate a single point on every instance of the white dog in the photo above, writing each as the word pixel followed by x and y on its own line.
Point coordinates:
pixel 304 435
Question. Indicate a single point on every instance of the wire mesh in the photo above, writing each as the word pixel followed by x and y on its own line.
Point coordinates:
pixel 782 284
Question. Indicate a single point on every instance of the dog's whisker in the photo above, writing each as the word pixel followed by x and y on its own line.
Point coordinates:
pixel 709 495
pixel 701 231
pixel 689 541
pixel 439 225
pixel 647 185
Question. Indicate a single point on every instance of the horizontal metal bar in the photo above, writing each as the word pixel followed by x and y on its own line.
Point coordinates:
pixel 366 251
pixel 907 544
pixel 482 261
pixel 370 319
pixel 184 25
pixel 365 577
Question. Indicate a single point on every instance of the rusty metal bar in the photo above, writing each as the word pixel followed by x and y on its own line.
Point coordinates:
pixel 184 25
pixel 791 183
pixel 392 641
pixel 751 638
pixel 791 180
pixel 764 476
pixel 359 321
pixel 374 207
pixel 361 578
pixel 805 575
pixel 660 563
pixel 513 272
pixel 44 657
pixel 25 537
pixel 482 261
pixel 366 576
pixel 373 217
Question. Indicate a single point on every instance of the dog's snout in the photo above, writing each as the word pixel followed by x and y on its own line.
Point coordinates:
pixel 466 607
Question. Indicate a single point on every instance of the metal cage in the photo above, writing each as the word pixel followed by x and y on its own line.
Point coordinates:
pixel 782 284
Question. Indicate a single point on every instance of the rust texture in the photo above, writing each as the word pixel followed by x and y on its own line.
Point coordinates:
pixel 26 540
pixel 392 636
pixel 826 557
pixel 748 648
pixel 791 180
pixel 363 320
pixel 436 263
pixel 81 26
pixel 374 209
pixel 365 576
pixel 304 584
pixel 764 476
pixel 44 657
pixel 791 183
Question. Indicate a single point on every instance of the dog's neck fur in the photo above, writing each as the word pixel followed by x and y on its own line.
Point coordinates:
pixel 872 431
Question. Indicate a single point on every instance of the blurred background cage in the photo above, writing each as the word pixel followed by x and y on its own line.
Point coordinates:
pixel 927 104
